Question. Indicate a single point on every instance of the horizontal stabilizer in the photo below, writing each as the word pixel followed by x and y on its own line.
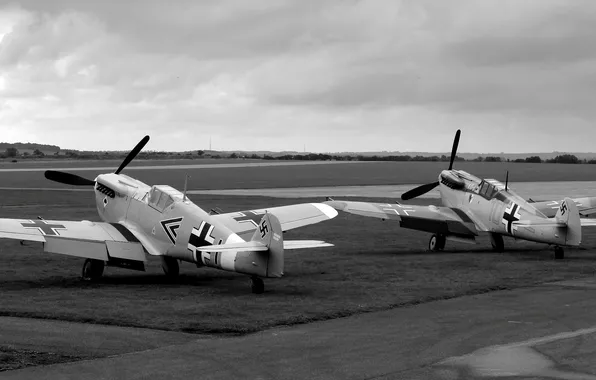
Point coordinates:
pixel 258 246
pixel 244 246
pixel 546 223
pixel 585 222
pixel 303 244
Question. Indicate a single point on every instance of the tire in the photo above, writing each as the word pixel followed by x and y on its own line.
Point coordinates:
pixel 436 243
pixel 92 269
pixel 170 266
pixel 559 253
pixel 257 285
pixel 497 242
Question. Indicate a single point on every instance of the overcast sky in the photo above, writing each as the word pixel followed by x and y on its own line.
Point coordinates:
pixel 515 76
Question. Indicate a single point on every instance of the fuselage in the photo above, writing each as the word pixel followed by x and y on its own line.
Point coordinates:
pixel 496 209
pixel 170 223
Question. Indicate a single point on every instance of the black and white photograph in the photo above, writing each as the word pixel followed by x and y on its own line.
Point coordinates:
pixel 298 189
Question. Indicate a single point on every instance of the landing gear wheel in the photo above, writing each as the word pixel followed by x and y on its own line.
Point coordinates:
pixel 92 269
pixel 170 266
pixel 436 242
pixel 496 241
pixel 257 285
pixel 559 253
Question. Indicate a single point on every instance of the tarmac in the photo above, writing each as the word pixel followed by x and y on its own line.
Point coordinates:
pixel 536 190
pixel 544 331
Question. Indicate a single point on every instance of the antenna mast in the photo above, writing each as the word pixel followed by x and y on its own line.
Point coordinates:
pixel 186 177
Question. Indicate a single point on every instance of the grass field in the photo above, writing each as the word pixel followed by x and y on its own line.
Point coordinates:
pixel 354 173
pixel 374 266
pixel 11 358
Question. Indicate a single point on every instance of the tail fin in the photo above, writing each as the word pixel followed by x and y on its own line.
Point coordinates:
pixel 568 214
pixel 270 234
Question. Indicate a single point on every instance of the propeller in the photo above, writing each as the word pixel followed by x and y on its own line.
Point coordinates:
pixel 67 178
pixel 418 191
pixel 454 148
pixel 75 180
pixel 423 189
pixel 133 153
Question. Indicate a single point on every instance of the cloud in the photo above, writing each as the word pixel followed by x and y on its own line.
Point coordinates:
pixel 334 75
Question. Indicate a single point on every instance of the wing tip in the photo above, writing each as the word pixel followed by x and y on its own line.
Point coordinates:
pixel 329 211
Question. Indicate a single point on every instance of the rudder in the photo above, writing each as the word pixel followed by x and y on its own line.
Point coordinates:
pixel 269 233
pixel 568 213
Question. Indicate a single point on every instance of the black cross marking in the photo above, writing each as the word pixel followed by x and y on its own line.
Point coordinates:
pixel 253 219
pixel 44 227
pixel 510 217
pixel 199 240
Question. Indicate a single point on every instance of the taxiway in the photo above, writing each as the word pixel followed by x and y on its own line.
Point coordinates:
pixel 545 331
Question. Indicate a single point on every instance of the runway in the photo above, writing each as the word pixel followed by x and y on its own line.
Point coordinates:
pixel 545 331
pixel 536 190
pixel 543 190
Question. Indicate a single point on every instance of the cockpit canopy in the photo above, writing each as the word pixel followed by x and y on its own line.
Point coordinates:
pixel 163 196
pixel 487 190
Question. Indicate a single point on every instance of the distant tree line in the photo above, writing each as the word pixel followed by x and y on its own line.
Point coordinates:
pixel 12 153
pixel 561 159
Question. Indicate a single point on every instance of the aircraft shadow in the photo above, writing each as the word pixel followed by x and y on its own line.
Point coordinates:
pixel 239 285
pixel 546 253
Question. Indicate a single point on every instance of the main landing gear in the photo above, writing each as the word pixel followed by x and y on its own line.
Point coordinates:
pixel 559 253
pixel 257 285
pixel 92 269
pixel 496 241
pixel 170 266
pixel 437 242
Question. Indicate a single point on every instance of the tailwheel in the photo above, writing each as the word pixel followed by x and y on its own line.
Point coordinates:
pixel 92 269
pixel 496 241
pixel 437 242
pixel 257 285
pixel 170 266
pixel 559 253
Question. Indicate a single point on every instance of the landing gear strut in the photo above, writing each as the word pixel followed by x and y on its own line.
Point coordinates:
pixel 559 253
pixel 170 266
pixel 437 242
pixel 92 269
pixel 257 285
pixel 496 241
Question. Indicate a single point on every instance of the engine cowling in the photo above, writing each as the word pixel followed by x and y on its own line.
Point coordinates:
pixel 451 180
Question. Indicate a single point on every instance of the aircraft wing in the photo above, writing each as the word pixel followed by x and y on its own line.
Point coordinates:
pixel 93 240
pixel 244 223
pixel 588 222
pixel 441 220
pixel 586 206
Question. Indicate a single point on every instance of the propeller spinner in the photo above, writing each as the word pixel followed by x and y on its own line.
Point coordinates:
pixel 423 189
pixel 75 180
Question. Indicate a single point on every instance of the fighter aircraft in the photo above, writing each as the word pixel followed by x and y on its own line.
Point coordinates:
pixel 472 205
pixel 162 221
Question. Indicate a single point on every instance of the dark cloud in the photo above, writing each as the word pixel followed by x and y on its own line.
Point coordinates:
pixel 342 75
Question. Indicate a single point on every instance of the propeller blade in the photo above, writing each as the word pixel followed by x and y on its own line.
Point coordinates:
pixel 67 178
pixel 418 191
pixel 454 149
pixel 507 180
pixel 133 153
